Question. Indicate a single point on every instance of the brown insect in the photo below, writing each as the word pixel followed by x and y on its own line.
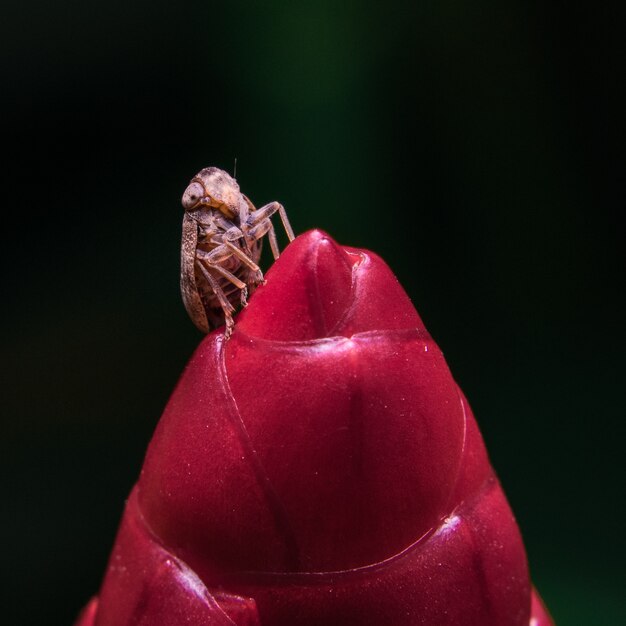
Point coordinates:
pixel 221 247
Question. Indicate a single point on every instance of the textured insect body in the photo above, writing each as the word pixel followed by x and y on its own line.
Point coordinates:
pixel 221 247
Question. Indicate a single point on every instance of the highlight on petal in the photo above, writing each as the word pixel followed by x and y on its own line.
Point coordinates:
pixel 539 615
pixel 320 467
pixel 88 614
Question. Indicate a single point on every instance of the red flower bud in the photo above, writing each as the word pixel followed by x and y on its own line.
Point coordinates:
pixel 319 468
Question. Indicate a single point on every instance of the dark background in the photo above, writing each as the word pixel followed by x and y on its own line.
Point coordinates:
pixel 475 145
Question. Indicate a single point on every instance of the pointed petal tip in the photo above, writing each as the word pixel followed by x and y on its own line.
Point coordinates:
pixel 319 289
pixel 307 292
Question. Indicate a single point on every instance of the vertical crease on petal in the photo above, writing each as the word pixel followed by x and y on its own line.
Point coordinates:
pixel 274 502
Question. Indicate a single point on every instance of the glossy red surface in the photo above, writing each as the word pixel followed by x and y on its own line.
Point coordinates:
pixel 319 468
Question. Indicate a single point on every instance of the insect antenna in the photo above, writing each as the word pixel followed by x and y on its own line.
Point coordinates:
pixel 235 169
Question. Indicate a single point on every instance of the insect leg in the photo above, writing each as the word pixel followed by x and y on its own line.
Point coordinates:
pixel 267 211
pixel 248 262
pixel 233 250
pixel 229 276
pixel 220 253
pixel 223 251
pixel 227 307
pixel 242 256
pixel 273 241
pixel 266 227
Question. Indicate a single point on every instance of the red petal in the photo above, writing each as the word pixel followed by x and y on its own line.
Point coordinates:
pixel 319 289
pixel 323 466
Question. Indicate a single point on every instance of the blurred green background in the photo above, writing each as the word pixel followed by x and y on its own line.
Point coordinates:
pixel 474 145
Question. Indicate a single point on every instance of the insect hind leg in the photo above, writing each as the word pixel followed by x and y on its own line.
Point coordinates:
pixel 227 307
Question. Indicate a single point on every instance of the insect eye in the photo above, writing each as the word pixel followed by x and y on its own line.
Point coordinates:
pixel 192 196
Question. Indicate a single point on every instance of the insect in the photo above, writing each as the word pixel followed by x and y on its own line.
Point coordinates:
pixel 221 247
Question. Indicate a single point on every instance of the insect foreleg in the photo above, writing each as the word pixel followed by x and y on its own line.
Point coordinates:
pixel 242 256
pixel 267 211
pixel 232 234
pixel 224 251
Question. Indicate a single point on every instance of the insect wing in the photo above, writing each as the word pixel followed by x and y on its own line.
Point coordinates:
pixel 188 286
